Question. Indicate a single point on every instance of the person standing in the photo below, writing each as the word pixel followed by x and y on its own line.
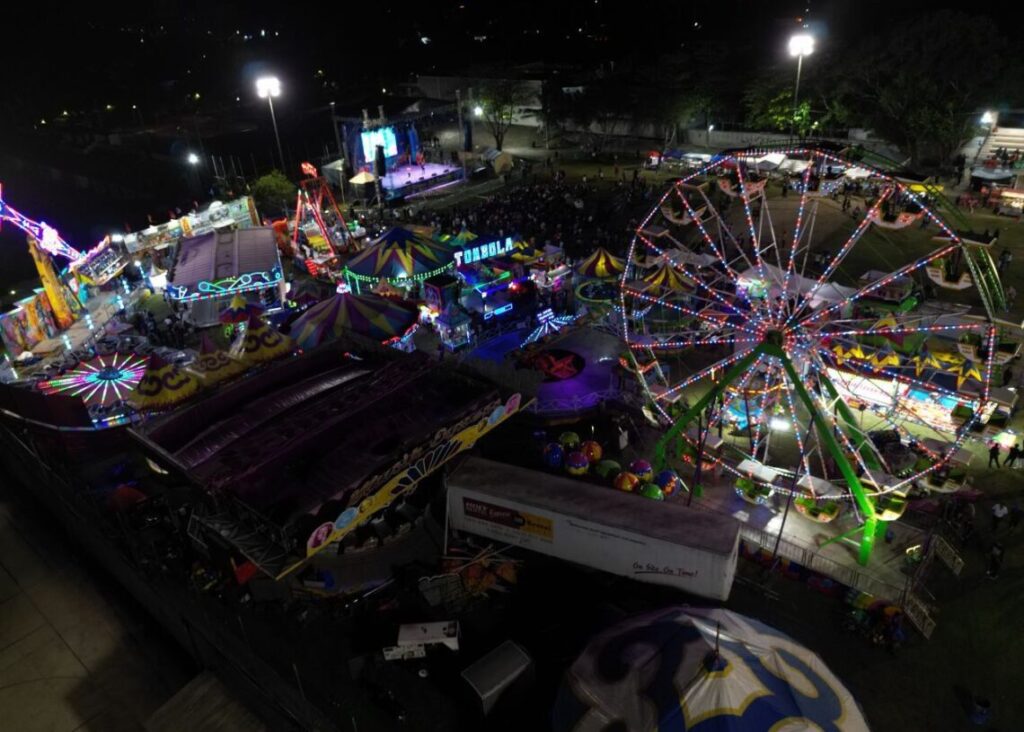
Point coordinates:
pixel 995 560
pixel 1016 513
pixel 1011 456
pixel 993 454
pixel 1005 257
pixel 999 512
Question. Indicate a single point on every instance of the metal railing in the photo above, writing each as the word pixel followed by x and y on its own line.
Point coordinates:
pixel 811 558
pixel 586 401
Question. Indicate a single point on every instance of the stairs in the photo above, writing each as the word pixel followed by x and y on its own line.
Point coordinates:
pixel 1012 138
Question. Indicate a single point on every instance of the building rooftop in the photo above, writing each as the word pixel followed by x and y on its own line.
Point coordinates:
pixel 230 257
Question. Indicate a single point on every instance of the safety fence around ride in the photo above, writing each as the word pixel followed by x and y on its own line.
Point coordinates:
pixel 577 402
pixel 810 558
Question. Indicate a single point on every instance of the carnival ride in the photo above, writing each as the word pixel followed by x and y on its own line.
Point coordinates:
pixel 312 201
pixel 795 352
pixel 102 383
pixel 95 267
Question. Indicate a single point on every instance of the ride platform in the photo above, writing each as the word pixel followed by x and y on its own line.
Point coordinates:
pixel 804 539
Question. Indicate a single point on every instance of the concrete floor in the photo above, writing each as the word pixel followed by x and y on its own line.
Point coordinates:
pixel 75 652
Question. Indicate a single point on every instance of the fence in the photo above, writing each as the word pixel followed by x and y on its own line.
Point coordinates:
pixel 810 558
pixel 574 403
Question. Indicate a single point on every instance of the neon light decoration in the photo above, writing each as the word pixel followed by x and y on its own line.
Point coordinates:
pixel 46 236
pixel 796 354
pixel 103 381
pixel 500 310
pixel 246 282
pixel 487 250
pixel 548 323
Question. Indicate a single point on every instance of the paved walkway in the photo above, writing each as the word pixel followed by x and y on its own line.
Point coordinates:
pixel 75 654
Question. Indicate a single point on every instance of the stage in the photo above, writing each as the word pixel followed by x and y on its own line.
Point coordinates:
pixel 407 181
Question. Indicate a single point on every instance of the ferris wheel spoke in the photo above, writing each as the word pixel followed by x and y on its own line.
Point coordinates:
pixel 677 344
pixel 797 231
pixel 717 322
pixel 727 237
pixel 877 284
pixel 903 330
pixel 700 227
pixel 761 417
pixel 744 381
pixel 745 198
pixel 898 401
pixel 898 418
pixel 706 372
pixel 849 244
pixel 692 276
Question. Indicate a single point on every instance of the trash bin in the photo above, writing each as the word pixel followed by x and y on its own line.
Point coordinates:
pixel 982 710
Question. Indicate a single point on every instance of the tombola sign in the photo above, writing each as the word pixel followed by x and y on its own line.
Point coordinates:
pixel 381 490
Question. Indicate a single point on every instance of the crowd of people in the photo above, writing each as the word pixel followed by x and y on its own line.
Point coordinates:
pixel 1001 157
pixel 576 216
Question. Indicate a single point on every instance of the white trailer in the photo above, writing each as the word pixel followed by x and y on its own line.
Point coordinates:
pixel 663 543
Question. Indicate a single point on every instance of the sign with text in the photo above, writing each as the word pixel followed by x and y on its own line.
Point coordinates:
pixel 596 543
pixel 487 250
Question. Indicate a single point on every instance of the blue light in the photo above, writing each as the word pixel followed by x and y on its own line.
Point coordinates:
pixel 498 311
pixel 486 250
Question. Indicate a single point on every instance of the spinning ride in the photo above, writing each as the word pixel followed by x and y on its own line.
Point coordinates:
pixel 764 341
pixel 103 381
pixel 97 266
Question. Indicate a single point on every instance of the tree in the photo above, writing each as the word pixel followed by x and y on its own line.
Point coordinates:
pixel 770 107
pixel 273 192
pixel 501 99
pixel 921 84
pixel 555 108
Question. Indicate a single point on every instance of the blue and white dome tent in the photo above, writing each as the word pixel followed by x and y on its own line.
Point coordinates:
pixel 701 670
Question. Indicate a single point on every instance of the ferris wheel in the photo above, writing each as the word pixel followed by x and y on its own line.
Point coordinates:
pixel 780 336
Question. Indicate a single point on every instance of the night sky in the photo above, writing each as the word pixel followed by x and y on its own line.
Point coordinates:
pixel 104 67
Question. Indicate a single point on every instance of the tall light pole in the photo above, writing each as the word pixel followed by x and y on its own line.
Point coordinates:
pixel 800 45
pixel 341 154
pixel 269 87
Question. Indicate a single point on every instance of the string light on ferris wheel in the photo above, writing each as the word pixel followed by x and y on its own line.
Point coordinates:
pixel 807 336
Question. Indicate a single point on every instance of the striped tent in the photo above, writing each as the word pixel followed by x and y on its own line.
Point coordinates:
pixel 260 343
pixel 600 265
pixel 369 315
pixel 884 357
pixel 385 289
pixel 523 251
pixel 667 278
pixel 924 359
pixel 459 240
pixel 398 255
pixel 239 310
pixel 213 365
pixel 163 386
pixel 968 370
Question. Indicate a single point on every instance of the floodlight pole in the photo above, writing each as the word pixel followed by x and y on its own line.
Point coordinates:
pixel 341 154
pixel 277 136
pixel 799 68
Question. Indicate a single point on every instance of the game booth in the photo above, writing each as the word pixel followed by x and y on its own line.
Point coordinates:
pixel 239 213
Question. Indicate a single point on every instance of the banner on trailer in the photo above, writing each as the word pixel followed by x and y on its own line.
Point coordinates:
pixel 592 544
